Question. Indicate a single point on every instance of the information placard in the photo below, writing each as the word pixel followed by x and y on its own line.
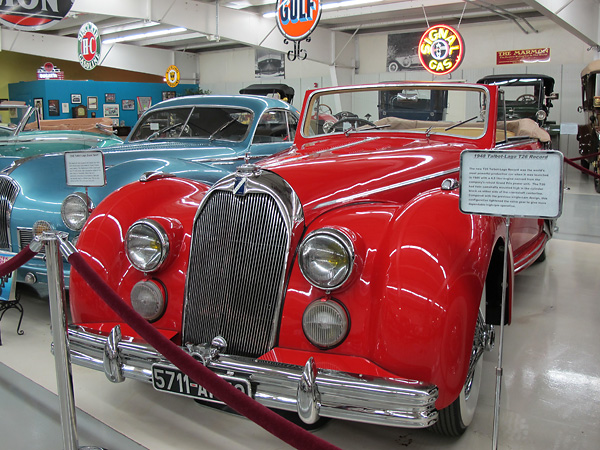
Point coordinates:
pixel 511 183
pixel 85 168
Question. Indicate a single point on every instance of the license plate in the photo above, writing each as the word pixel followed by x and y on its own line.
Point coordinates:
pixel 171 379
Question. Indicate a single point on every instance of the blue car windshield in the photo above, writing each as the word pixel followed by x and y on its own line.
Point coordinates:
pixel 204 122
pixel 10 118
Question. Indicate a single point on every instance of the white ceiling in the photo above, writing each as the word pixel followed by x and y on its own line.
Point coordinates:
pixel 205 26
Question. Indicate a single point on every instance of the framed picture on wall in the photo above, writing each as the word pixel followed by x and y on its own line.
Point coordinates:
pixel 92 103
pixel 128 105
pixel 143 103
pixel 76 98
pixel 111 110
pixel 38 103
pixel 53 108
pixel 168 94
pixel 109 98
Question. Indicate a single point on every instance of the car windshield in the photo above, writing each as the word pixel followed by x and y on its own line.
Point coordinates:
pixel 523 97
pixel 430 109
pixel 10 118
pixel 209 122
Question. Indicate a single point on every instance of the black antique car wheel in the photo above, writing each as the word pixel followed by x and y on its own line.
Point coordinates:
pixel 454 419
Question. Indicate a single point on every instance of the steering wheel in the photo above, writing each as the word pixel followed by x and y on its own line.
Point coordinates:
pixel 358 121
pixel 325 107
pixel 527 98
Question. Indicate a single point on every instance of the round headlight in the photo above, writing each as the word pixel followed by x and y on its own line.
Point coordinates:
pixel 541 115
pixel 325 323
pixel 147 245
pixel 326 257
pixel 75 210
pixel 148 300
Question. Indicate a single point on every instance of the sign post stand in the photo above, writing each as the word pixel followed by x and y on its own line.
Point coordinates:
pixel 512 183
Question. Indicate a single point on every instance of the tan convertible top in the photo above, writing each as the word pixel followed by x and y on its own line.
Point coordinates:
pixel 594 66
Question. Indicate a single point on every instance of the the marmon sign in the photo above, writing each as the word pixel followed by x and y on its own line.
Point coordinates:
pixel 33 14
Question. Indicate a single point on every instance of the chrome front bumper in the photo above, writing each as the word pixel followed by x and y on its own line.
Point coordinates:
pixel 311 392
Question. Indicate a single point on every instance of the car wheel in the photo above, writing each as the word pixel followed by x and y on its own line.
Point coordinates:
pixel 454 419
pixel 393 66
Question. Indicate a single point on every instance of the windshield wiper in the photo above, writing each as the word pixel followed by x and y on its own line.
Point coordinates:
pixel 163 130
pixel 366 128
pixel 458 124
pixel 221 128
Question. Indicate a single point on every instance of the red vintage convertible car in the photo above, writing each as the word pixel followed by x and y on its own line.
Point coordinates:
pixel 338 278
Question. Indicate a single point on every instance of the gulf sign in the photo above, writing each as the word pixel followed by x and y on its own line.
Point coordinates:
pixel 33 15
pixel 296 19
pixel 441 49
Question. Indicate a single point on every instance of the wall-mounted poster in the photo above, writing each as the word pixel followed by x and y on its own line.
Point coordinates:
pixel 402 52
pixel 92 103
pixel 75 98
pixel 53 108
pixel 269 64
pixel 38 103
pixel 128 105
pixel 111 110
pixel 143 103
pixel 109 98
pixel 168 94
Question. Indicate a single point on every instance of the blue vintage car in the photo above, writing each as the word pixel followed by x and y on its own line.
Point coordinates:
pixel 23 134
pixel 196 137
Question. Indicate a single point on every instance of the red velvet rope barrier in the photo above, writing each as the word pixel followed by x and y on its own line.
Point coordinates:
pixel 16 261
pixel 242 403
pixel 583 169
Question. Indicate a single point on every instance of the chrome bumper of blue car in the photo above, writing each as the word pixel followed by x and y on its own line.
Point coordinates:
pixel 311 392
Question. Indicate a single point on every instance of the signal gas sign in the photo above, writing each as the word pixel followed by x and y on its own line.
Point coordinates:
pixel 441 49
pixel 32 15
pixel 88 48
pixel 296 19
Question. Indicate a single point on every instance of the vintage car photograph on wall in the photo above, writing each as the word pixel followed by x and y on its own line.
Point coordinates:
pixel 201 137
pixel 344 261
pixel 23 134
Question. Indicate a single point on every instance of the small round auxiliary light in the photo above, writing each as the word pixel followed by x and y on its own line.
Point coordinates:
pixel 40 227
pixel 325 323
pixel 148 299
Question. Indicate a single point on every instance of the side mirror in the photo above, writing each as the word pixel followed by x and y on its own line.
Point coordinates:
pixel 553 96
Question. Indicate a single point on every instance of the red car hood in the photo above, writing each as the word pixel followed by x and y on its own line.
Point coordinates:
pixel 325 175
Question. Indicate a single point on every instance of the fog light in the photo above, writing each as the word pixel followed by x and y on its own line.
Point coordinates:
pixel 148 299
pixel 325 323
pixel 40 227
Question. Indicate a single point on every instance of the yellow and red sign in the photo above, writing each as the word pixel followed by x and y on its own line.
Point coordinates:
pixel 296 19
pixel 441 49
pixel 172 76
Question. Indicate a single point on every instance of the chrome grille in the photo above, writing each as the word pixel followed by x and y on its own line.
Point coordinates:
pixel 9 190
pixel 236 271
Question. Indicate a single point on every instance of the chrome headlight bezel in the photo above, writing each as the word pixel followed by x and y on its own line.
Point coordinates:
pixel 147 258
pixel 325 334
pixel 311 260
pixel 75 210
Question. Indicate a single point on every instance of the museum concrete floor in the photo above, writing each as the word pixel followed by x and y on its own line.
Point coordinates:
pixel 550 393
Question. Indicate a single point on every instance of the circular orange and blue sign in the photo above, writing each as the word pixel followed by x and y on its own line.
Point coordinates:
pixel 441 49
pixel 33 15
pixel 296 19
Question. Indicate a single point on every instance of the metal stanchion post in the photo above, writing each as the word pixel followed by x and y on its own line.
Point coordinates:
pixel 501 339
pixel 62 361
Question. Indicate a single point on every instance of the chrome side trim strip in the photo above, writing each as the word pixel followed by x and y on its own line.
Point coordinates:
pixel 387 188
pixel 341 395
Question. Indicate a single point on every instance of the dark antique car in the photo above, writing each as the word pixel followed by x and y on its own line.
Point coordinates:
pixel 201 137
pixel 527 96
pixel 336 279
pixel 587 134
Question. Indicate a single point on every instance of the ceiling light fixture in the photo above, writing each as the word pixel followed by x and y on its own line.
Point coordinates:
pixel 140 36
